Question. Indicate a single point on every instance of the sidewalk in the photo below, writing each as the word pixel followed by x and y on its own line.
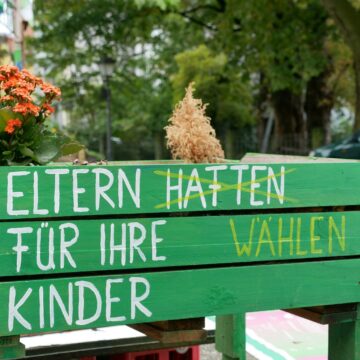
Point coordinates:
pixel 278 335
pixel 208 352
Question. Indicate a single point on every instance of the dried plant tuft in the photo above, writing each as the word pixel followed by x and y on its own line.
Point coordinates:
pixel 190 137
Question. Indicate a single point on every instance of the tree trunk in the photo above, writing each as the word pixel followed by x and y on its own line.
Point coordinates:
pixel 228 142
pixel 348 19
pixel 357 87
pixel 101 145
pixel 263 118
pixel 290 133
pixel 319 102
pixel 158 145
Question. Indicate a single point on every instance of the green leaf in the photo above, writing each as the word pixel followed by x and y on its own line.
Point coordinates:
pixel 19 163
pixel 26 151
pixel 71 147
pixel 47 150
pixel 7 155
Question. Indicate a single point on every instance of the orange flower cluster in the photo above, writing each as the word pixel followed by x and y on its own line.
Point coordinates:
pixel 27 108
pixel 17 89
pixel 12 124
pixel 48 108
pixel 50 90
pixel 25 103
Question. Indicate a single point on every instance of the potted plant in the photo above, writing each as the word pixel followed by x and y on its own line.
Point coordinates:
pixel 25 105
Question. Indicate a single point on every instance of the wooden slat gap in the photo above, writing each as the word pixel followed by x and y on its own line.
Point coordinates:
pixel 330 314
pixel 234 212
pixel 171 336
pixel 128 271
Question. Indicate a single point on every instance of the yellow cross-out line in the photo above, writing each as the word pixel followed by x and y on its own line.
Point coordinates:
pixel 243 186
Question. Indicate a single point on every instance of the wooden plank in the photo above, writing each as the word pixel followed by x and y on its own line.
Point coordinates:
pixel 102 348
pixel 171 336
pixel 230 337
pixel 28 248
pixel 254 158
pixel 41 192
pixel 86 302
pixel 182 324
pixel 174 331
pixel 11 347
pixel 327 314
pixel 344 340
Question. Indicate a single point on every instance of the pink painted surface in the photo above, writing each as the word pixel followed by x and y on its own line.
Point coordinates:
pixel 292 337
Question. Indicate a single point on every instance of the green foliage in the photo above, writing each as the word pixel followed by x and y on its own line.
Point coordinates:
pixel 216 83
pixel 252 48
pixel 342 80
pixel 199 65
pixel 285 39
pixel 82 32
pixel 355 4
pixel 162 4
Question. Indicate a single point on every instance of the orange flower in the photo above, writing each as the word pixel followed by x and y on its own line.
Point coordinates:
pixel 19 86
pixel 27 108
pixel 47 109
pixel 15 82
pixel 49 89
pixel 12 124
pixel 7 98
pixel 26 85
pixel 10 83
pixel 23 93
pixel 8 69
pixel 30 77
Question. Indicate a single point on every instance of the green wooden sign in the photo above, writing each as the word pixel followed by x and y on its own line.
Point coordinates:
pixel 89 246
pixel 27 192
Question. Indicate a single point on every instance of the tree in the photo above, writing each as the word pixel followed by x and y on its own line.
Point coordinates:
pixel 347 15
pixel 286 41
pixel 283 47
pixel 226 93
pixel 248 59
pixel 75 35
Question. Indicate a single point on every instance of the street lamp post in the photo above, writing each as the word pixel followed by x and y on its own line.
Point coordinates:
pixel 106 67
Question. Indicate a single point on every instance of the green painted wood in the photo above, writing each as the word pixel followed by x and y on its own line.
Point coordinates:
pixel 230 337
pixel 28 248
pixel 225 357
pixel 344 340
pixel 98 301
pixel 128 189
pixel 9 340
pixel 12 352
pixel 11 348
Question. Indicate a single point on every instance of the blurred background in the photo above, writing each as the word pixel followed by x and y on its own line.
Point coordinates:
pixel 280 76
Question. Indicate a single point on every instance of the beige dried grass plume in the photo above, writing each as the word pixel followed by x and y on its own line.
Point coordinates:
pixel 190 137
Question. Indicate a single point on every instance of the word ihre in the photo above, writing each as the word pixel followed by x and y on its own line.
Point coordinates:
pixel 79 303
pixel 292 236
pixel 53 244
